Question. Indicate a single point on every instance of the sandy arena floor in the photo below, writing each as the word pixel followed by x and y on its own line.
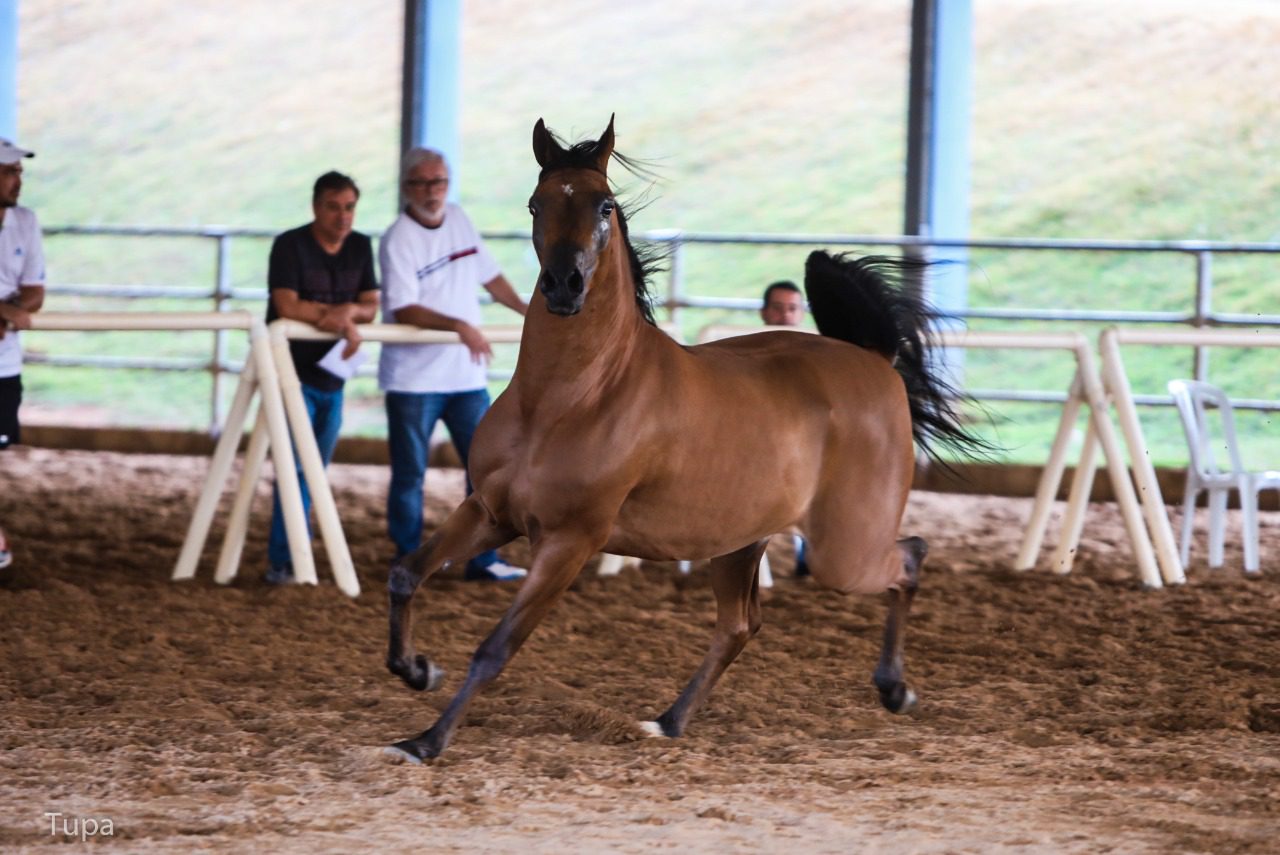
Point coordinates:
pixel 1058 715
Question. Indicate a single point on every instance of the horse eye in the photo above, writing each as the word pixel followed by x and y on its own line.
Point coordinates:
pixel 533 209
pixel 606 209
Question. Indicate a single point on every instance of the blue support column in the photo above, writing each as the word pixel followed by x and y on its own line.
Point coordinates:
pixel 937 204
pixel 8 69
pixel 432 50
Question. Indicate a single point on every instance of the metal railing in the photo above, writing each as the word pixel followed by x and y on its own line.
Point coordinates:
pixel 676 300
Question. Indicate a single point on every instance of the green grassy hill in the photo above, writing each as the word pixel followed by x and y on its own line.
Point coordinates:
pixel 1092 119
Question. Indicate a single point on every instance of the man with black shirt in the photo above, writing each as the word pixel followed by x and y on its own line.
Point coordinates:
pixel 321 274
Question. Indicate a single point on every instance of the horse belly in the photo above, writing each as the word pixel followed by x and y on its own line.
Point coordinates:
pixel 715 507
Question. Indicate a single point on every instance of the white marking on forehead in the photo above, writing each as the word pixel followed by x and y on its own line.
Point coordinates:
pixel 568 189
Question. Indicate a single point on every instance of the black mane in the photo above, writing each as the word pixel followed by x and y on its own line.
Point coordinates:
pixel 645 261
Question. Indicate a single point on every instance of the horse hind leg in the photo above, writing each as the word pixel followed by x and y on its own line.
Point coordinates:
pixel 735 581
pixel 895 695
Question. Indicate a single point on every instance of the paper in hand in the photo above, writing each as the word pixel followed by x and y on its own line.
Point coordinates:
pixel 344 369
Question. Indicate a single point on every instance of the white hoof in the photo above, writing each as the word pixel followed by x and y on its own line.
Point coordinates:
pixel 908 703
pixel 651 728
pixel 399 755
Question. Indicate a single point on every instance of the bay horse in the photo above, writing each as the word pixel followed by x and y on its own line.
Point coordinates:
pixel 612 437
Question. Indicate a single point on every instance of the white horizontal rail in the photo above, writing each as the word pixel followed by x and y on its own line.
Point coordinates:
pixel 395 333
pixel 947 338
pixel 143 321
pixel 1195 338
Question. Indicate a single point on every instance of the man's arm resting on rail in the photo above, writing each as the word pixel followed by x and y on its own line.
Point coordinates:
pixel 430 319
pixel 338 318
pixel 16 312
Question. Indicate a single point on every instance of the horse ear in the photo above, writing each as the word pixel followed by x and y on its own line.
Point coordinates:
pixel 545 147
pixel 604 147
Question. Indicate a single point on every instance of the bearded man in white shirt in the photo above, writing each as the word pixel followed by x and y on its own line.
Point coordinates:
pixel 433 261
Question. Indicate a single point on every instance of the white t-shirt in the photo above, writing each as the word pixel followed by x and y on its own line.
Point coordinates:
pixel 441 269
pixel 21 263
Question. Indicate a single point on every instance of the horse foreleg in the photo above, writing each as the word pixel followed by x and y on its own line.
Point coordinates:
pixel 735 581
pixel 467 532
pixel 556 562
pixel 894 693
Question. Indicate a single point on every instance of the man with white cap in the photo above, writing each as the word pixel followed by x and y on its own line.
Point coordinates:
pixel 21 294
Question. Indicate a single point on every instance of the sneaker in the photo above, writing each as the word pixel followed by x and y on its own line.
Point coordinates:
pixel 6 557
pixel 498 571
pixel 279 574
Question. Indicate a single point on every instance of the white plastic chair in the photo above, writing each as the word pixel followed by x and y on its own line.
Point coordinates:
pixel 1194 399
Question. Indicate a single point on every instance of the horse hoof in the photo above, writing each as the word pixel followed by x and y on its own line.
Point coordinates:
pixel 421 675
pixel 652 729
pixel 396 754
pixel 413 750
pixel 907 704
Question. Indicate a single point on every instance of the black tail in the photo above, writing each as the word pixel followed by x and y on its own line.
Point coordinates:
pixel 864 301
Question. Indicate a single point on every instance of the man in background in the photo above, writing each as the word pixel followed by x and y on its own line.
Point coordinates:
pixel 21 295
pixel 784 307
pixel 321 274
pixel 433 261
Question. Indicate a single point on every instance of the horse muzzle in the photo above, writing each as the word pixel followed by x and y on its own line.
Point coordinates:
pixel 563 291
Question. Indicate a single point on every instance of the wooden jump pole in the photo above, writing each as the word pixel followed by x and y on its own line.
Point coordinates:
pixel 223 455
pixel 1051 478
pixel 238 519
pixel 344 571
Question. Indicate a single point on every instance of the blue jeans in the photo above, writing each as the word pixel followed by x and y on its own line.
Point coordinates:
pixel 325 412
pixel 411 417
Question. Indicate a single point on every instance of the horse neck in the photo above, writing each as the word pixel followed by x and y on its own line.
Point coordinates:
pixel 583 356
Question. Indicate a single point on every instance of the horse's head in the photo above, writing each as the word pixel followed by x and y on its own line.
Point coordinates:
pixel 573 216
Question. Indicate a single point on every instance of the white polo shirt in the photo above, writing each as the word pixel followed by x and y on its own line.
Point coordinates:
pixel 21 263
pixel 441 269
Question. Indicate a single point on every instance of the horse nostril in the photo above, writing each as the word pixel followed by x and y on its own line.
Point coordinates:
pixel 571 282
